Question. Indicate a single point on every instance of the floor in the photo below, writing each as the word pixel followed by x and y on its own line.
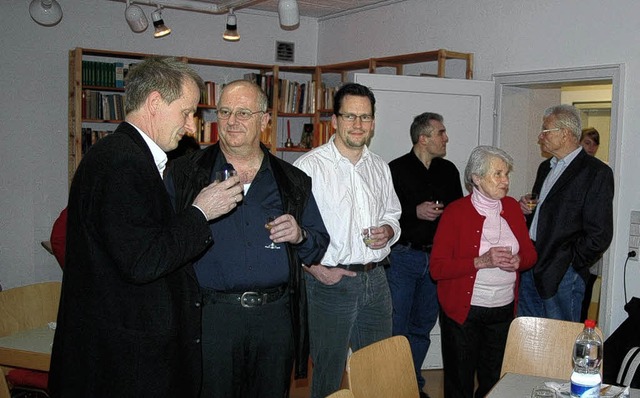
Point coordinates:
pixel 434 385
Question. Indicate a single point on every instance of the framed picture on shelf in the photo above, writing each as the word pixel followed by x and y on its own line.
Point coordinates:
pixel 306 139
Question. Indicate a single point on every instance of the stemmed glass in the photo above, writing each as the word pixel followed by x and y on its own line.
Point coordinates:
pixel 268 226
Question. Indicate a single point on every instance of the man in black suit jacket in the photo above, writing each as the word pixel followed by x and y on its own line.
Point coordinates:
pixel 129 317
pixel 572 224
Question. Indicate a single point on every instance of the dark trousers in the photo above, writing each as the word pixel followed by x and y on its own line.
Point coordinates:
pixel 247 352
pixel 476 346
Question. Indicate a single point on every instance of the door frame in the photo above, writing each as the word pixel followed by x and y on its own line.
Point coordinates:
pixel 613 73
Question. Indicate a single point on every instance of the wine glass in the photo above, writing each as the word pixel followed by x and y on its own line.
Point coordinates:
pixel 268 226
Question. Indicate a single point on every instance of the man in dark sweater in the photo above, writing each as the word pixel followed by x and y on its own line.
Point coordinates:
pixel 425 183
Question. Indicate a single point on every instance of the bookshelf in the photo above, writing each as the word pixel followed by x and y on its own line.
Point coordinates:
pixel 300 96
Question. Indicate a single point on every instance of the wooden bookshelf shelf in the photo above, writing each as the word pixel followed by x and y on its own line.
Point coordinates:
pixel 309 92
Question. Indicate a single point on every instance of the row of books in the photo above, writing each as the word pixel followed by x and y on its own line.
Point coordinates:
pixel 99 106
pixel 265 82
pixel 296 97
pixel 206 131
pixel 325 131
pixel 211 93
pixel 104 74
pixel 90 137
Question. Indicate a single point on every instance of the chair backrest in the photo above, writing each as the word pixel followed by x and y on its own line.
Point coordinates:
pixel 383 369
pixel 541 347
pixel 341 394
pixel 28 307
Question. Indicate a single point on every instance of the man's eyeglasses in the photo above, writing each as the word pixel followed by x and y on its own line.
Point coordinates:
pixel 241 114
pixel 547 131
pixel 351 117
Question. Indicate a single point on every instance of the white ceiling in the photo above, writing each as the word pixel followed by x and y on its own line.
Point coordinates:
pixel 317 8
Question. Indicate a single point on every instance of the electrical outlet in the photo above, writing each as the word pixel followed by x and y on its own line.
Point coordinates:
pixel 634 234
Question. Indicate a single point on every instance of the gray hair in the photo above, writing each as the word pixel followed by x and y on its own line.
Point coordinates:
pixel 422 125
pixel 262 100
pixel 566 116
pixel 165 75
pixel 478 163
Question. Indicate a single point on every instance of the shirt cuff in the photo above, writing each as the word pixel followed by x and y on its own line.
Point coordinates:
pixel 201 211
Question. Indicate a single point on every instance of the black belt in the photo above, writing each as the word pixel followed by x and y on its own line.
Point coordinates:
pixel 254 298
pixel 364 267
pixel 415 246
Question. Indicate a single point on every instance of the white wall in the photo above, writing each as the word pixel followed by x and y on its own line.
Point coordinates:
pixel 511 36
pixel 33 177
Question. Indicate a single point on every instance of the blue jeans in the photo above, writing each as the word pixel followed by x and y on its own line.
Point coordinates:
pixel 415 302
pixel 355 311
pixel 566 304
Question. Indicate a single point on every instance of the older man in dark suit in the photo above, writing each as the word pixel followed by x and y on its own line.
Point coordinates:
pixel 572 224
pixel 129 318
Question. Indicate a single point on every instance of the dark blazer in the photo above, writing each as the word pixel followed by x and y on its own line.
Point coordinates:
pixel 129 317
pixel 575 224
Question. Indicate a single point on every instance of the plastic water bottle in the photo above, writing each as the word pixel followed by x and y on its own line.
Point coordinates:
pixel 587 357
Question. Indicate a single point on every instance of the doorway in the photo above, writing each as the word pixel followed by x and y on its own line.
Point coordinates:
pixel 520 100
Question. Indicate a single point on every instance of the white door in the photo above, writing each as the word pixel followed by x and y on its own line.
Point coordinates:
pixel 467 108
pixel 466 105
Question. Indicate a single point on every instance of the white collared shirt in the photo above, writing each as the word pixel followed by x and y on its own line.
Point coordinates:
pixel 352 198
pixel 159 156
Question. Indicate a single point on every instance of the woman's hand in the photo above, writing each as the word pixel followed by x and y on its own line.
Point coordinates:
pixel 497 257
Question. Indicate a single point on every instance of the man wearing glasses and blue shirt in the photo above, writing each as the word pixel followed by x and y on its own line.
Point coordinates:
pixel 254 313
pixel 571 226
pixel 349 298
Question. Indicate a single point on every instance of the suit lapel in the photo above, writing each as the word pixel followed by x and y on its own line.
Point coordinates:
pixel 569 173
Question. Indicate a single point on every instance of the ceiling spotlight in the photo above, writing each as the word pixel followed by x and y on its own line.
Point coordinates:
pixel 289 14
pixel 45 12
pixel 161 30
pixel 231 33
pixel 135 18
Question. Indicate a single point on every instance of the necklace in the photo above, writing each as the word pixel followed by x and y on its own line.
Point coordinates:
pixel 499 233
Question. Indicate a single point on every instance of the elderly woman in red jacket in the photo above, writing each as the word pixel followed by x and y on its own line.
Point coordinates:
pixel 480 247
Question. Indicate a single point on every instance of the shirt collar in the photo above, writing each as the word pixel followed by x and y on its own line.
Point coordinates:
pixel 159 157
pixel 337 156
pixel 565 161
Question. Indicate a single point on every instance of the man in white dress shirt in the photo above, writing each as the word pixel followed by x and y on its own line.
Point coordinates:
pixel 348 294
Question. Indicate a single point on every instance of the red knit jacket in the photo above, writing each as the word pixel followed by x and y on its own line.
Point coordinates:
pixel 457 243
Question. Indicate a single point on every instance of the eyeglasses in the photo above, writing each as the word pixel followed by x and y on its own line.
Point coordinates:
pixel 547 131
pixel 351 117
pixel 241 114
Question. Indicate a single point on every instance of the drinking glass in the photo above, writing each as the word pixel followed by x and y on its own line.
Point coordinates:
pixel 268 226
pixel 532 200
pixel 223 175
pixel 366 236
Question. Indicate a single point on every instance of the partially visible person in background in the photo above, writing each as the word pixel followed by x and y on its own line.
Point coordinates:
pixel 480 247
pixel 590 140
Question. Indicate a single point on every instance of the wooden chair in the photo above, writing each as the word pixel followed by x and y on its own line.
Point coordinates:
pixel 24 308
pixel 383 369
pixel 341 394
pixel 541 347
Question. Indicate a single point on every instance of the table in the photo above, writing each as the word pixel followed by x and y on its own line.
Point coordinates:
pixel 513 385
pixel 29 349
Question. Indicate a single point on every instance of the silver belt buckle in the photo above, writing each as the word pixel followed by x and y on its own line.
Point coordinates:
pixel 252 299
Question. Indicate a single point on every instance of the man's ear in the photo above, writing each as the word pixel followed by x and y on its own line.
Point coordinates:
pixel 153 101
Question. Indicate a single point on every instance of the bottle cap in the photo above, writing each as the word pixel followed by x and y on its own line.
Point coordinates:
pixel 590 323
